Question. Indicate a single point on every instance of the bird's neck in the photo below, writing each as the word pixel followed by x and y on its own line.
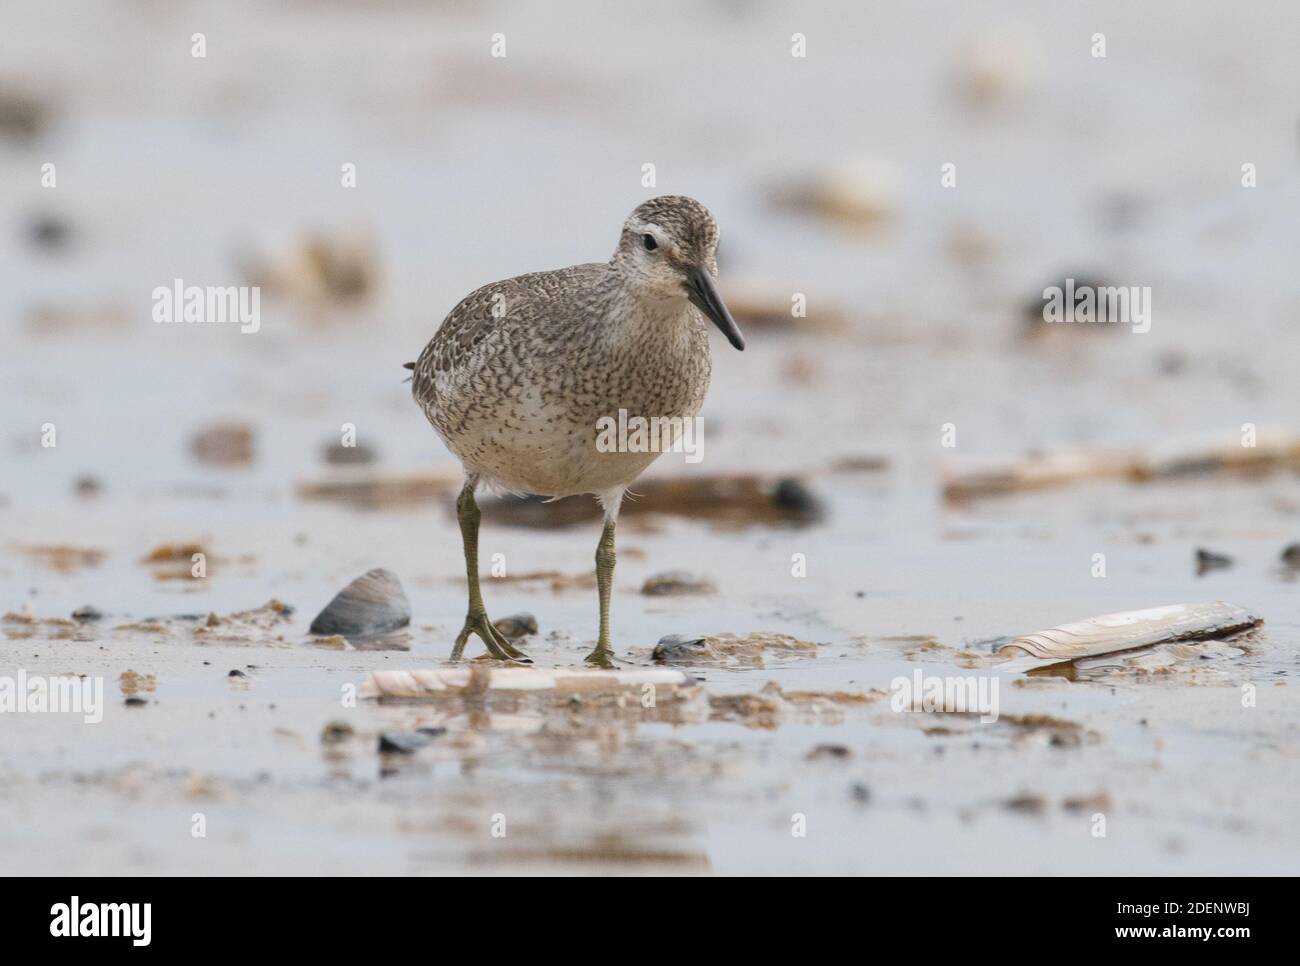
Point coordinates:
pixel 641 320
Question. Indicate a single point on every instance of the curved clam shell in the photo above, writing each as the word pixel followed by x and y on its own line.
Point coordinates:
pixel 1131 629
pixel 374 603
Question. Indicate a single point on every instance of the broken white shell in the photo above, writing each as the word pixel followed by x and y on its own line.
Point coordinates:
pixel 1131 629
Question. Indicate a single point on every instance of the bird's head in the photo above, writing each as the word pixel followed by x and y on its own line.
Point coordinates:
pixel 669 249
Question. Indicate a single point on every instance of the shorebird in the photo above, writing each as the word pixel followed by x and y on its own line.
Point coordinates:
pixel 521 372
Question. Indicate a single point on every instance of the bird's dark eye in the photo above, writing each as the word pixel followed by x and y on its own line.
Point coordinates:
pixel 649 242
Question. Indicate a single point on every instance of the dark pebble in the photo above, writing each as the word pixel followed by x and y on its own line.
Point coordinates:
pixel 516 626
pixel 793 496
pixel 403 742
pixel 86 614
pixel 1209 560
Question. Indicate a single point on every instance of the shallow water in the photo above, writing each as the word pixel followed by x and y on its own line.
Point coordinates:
pixel 471 170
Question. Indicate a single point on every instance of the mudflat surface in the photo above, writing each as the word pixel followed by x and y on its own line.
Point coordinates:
pixel 471 169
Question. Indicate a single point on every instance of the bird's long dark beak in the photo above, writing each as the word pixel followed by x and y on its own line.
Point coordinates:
pixel 704 296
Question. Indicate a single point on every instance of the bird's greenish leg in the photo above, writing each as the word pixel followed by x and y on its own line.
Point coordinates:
pixel 476 618
pixel 603 655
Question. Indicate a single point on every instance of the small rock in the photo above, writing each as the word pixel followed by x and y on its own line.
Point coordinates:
pixel 516 626
pixel 1026 803
pixel 224 444
pixel 236 673
pixel 22 114
pixel 135 702
pixel 336 454
pixel 1291 555
pixel 403 742
pixel 675 583
pixel 1100 802
pixel 374 603
pixel 680 649
pixel 87 486
pixel 336 732
pixel 793 496
pixel 51 233
pixel 861 793
pixel 86 614
pixel 827 752
pixel 1209 560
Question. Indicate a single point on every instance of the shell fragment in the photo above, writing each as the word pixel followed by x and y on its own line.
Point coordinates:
pixel 1131 629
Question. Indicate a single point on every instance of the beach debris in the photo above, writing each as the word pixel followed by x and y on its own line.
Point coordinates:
pixel 758 303
pixel 245 626
pixel 336 454
pixel 403 742
pixel 1059 732
pixel 132 682
pixel 49 232
pixel 63 319
pixel 682 649
pixel 732 501
pixel 763 710
pixel 481 679
pixel 336 732
pixel 318 269
pixel 173 553
pixel 1079 285
pixel 793 495
pixel 86 614
pixel 827 752
pixel 677 583
pixel 995 67
pixel 516 626
pixel 729 650
pixel 860 463
pixel 374 603
pixel 367 489
pixel 23 115
pixel 86 486
pixel 1207 560
pixel 223 444
pixel 62 558
pixel 1096 802
pixel 1273 449
pixel 1026 803
pixel 1291 555
pixel 236 673
pixel 1126 631
pixel 134 701
pixel 859 193
pixel 770 706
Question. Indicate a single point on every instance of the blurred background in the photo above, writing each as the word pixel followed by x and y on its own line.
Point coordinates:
pixel 825 172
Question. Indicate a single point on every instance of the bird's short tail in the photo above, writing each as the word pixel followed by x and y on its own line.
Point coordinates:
pixel 408 365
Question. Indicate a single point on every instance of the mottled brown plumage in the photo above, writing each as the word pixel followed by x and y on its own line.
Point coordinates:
pixel 519 374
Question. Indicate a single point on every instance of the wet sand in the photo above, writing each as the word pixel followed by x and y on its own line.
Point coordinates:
pixel 174 179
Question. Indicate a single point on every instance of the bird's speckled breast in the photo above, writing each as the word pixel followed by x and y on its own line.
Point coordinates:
pixel 522 407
